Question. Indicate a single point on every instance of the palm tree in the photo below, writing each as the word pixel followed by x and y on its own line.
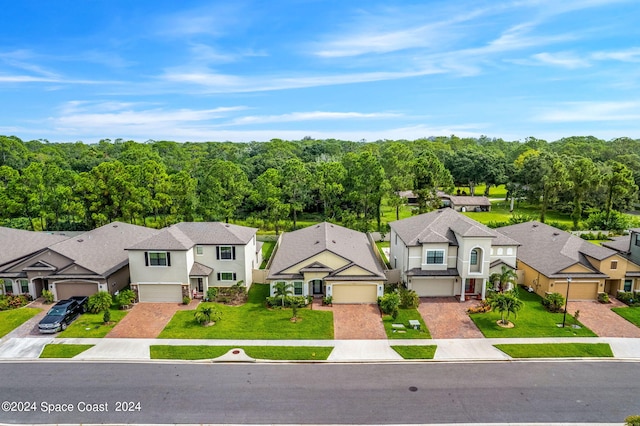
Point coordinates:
pixel 283 289
pixel 506 303
pixel 507 277
pixel 206 314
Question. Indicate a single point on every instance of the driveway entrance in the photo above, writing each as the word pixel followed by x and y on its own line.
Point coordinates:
pixel 447 318
pixel 147 320
pixel 602 320
pixel 357 322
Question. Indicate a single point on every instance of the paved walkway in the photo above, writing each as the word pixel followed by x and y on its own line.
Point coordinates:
pixel 447 318
pixel 147 320
pixel 602 320
pixel 357 322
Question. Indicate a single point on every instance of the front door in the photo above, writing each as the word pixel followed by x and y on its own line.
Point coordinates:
pixel 470 285
pixel 200 287
pixel 317 286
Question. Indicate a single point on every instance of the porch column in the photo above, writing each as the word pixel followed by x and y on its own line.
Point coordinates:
pixel 484 288
pixel 462 289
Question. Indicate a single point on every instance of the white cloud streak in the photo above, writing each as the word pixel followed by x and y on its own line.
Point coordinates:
pixel 591 111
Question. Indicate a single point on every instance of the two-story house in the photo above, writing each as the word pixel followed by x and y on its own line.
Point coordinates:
pixel 628 246
pixel 189 257
pixel 445 253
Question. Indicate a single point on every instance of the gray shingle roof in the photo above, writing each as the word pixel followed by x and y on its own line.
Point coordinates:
pixel 184 235
pixel 200 270
pixel 102 250
pixel 620 244
pixel 464 200
pixel 17 243
pixel 304 243
pixel 550 250
pixel 441 226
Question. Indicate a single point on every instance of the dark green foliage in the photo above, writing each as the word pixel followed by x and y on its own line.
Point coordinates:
pixel 125 297
pixel 628 298
pixel 616 221
pixel 553 302
pixel 603 298
pixel 101 301
pixel 632 420
pixel 212 292
pixel 107 316
pixel 408 299
pixel 287 302
pixel 389 304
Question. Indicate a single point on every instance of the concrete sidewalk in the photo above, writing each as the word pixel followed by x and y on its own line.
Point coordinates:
pixel 344 350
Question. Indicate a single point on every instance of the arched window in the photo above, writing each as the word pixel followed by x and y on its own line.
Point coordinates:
pixel 475 260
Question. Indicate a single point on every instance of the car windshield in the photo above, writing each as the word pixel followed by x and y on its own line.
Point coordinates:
pixel 57 311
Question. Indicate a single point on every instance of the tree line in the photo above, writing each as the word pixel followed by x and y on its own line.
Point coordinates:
pixel 78 186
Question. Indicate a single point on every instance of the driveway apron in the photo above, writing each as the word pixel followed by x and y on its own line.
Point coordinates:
pixel 357 322
pixel 145 320
pixel 602 320
pixel 447 318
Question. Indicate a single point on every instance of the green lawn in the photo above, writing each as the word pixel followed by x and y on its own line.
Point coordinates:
pixel 381 245
pixel 267 250
pixel 532 321
pixel 253 321
pixel 91 325
pixel 630 314
pixel 63 351
pixel 257 352
pixel 415 352
pixel 404 315
pixel 557 350
pixel 13 318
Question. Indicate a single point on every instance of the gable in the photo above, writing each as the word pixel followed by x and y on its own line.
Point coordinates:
pixel 52 260
pixel 577 267
pixel 354 271
pixel 325 257
pixel 74 269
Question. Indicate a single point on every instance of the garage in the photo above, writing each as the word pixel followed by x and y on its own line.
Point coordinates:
pixel 69 289
pixel 437 287
pixel 355 293
pixel 578 290
pixel 160 293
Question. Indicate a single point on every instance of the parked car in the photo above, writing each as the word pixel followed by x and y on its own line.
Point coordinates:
pixel 62 314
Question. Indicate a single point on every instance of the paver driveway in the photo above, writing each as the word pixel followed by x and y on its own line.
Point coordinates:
pixel 147 320
pixel 602 320
pixel 357 322
pixel 447 318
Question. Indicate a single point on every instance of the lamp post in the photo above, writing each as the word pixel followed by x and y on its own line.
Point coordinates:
pixel 564 318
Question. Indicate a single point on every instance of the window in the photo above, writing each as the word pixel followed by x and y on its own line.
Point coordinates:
pixel 8 287
pixel 614 264
pixel 199 250
pixel 226 252
pixel 226 276
pixel 435 257
pixel 297 288
pixel 637 239
pixel 500 251
pixel 474 257
pixel 628 285
pixel 24 286
pixel 157 258
pixel 509 251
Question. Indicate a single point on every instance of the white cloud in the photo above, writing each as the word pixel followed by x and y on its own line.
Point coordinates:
pixel 628 55
pixel 309 116
pixel 561 59
pixel 592 111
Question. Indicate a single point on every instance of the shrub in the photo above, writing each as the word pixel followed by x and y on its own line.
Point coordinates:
pixel 389 304
pixel 603 298
pixel 553 302
pixel 4 303
pixel 632 420
pixel 628 298
pixel 212 292
pixel 408 299
pixel 47 296
pixel 617 221
pixel 101 301
pixel 206 314
pixel 125 297
pixel 327 300
pixel 186 300
pixel 480 309
pixel 107 316
pixel 276 301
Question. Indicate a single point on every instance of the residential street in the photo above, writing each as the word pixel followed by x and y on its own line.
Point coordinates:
pixel 542 392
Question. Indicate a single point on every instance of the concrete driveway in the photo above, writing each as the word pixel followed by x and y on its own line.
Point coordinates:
pixel 357 322
pixel 602 320
pixel 447 318
pixel 147 320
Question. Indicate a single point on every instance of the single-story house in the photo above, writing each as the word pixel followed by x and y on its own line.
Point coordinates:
pixel 445 253
pixel 189 257
pixel 464 203
pixel 78 266
pixel 549 256
pixel 328 260
pixel 627 246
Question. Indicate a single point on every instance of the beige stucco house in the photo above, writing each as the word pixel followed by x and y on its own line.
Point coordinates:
pixel 190 257
pixel 328 260
pixel 445 253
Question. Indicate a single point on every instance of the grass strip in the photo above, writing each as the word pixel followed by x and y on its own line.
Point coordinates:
pixel 257 352
pixel 557 350
pixel 630 314
pixel 416 352
pixel 11 319
pixel 404 315
pixel 63 350
pixel 91 325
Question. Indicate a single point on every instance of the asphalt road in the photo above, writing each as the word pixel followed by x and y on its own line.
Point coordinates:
pixel 319 393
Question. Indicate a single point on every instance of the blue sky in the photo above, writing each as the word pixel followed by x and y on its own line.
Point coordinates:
pixel 257 70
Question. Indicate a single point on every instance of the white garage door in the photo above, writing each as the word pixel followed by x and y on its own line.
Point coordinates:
pixel 433 287
pixel 355 293
pixel 70 289
pixel 160 292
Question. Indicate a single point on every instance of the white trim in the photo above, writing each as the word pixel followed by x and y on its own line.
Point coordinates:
pixel 231 254
pixel 201 249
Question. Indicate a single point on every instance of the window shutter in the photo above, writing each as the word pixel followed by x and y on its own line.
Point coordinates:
pixel 168 259
pixel 234 276
pixel 146 258
pixel 233 253
pixel 218 254
pixel 218 276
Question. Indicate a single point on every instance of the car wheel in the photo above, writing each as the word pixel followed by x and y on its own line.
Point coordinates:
pixel 63 326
